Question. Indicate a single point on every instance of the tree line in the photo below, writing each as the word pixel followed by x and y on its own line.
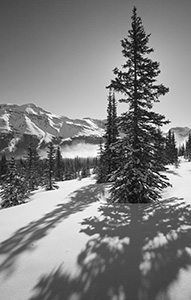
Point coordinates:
pixel 19 177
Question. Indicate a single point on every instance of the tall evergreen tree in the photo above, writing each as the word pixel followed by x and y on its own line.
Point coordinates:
pixel 107 155
pixel 109 123
pixel 138 178
pixel 111 135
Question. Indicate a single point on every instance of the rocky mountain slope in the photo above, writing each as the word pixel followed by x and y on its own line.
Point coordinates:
pixel 19 125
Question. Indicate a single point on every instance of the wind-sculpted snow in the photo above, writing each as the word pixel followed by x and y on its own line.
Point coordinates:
pixel 134 252
pixel 70 244
pixel 26 238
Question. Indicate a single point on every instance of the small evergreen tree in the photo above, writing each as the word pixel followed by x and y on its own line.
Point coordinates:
pixel 188 148
pixel 171 151
pixel 3 167
pixel 101 171
pixel 160 146
pixel 49 173
pixel 138 178
pixel 95 165
pixel 78 165
pixel 69 169
pixel 32 167
pixel 14 190
pixel 58 165
pixel 85 172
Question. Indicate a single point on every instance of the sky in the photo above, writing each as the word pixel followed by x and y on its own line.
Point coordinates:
pixel 59 54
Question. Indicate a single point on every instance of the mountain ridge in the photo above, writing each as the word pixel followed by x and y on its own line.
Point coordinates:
pixel 22 124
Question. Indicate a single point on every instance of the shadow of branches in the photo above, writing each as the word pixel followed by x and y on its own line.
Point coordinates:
pixel 27 237
pixel 134 253
pixel 172 172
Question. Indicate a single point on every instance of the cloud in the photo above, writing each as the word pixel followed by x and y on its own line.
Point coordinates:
pixel 71 151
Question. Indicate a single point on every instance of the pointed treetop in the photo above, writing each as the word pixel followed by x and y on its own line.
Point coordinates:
pixel 134 10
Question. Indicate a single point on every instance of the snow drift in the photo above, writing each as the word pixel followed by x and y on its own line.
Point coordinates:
pixel 69 244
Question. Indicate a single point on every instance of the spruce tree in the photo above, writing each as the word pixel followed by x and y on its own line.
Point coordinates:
pixel 101 170
pixel 181 150
pixel 3 167
pixel 188 148
pixel 49 172
pixel 14 189
pixel 138 178
pixel 107 155
pixel 58 165
pixel 85 171
pixel 171 151
pixel 115 132
pixel 78 165
pixel 111 135
pixel 160 145
pixel 32 167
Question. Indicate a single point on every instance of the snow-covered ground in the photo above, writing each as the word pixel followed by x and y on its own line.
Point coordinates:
pixel 69 244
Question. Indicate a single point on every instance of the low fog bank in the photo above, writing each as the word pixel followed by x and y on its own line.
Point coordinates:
pixel 72 151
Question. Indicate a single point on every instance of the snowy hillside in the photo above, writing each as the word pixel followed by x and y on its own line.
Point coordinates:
pixel 69 244
pixel 20 124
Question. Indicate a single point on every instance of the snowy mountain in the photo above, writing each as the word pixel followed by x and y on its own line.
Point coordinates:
pixel 20 124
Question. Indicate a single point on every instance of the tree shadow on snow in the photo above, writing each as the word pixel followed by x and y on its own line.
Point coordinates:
pixel 173 172
pixel 26 238
pixel 134 253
